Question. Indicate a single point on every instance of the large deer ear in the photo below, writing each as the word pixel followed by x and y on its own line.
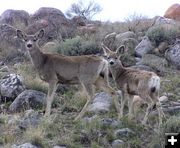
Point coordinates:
pixel 120 50
pixel 106 50
pixel 20 34
pixel 40 33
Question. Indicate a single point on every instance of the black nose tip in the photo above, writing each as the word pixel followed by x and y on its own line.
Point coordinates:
pixel 29 45
pixel 111 62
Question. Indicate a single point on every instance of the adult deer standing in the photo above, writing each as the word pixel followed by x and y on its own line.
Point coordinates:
pixel 134 82
pixel 87 70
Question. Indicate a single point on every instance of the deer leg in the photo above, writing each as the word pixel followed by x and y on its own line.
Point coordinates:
pixel 103 85
pixel 130 107
pixel 123 100
pixel 90 93
pixel 148 110
pixel 50 96
pixel 161 114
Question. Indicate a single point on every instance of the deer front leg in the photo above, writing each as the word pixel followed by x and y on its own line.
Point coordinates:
pixel 50 96
pixel 130 107
pixel 89 90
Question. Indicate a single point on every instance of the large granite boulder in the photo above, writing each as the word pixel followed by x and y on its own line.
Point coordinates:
pixel 16 18
pixel 11 86
pixel 28 99
pixel 173 54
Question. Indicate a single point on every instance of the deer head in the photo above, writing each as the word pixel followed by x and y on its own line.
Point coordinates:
pixel 111 56
pixel 30 40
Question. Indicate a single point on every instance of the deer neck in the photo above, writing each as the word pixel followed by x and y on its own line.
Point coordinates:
pixel 37 57
pixel 117 70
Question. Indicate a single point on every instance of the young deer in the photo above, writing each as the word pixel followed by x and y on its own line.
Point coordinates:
pixel 134 82
pixel 87 70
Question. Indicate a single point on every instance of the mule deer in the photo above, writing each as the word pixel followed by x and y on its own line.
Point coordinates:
pixel 134 82
pixel 87 70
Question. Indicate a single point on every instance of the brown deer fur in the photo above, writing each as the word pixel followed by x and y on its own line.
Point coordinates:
pixel 55 68
pixel 133 82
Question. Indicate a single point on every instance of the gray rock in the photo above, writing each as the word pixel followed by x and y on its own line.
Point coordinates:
pixel 4 69
pixel 129 34
pixel 123 132
pixel 11 86
pixel 15 18
pixel 25 145
pixel 142 67
pixel 101 103
pixel 173 54
pixel 158 64
pixel 117 143
pixel 28 99
pixel 30 119
pixel 109 122
pixel 159 20
pixel 59 146
pixel 143 47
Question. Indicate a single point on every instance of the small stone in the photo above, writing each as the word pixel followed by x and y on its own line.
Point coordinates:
pixel 117 143
pixel 110 122
pixel 163 99
pixel 25 145
pixel 123 132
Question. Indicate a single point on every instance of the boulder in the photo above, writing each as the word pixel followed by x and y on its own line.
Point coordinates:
pixel 30 119
pixel 16 18
pixel 129 34
pixel 109 40
pixel 173 54
pixel 9 40
pixel 159 20
pixel 101 103
pixel 11 86
pixel 56 25
pixel 79 20
pixel 143 47
pixel 28 99
pixel 158 64
pixel 173 12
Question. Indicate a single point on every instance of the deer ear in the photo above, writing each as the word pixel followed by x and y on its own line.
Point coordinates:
pixel 120 50
pixel 40 34
pixel 20 34
pixel 106 50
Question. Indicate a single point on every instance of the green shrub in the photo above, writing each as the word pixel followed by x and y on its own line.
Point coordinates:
pixel 162 33
pixel 78 46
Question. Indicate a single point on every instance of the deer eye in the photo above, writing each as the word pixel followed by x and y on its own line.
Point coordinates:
pixel 35 39
pixel 25 40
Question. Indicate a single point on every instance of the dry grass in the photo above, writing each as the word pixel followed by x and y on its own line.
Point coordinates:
pixel 31 78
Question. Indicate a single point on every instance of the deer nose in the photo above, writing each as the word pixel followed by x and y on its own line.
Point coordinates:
pixel 111 62
pixel 29 45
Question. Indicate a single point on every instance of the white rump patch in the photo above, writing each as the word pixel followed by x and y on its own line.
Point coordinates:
pixel 154 82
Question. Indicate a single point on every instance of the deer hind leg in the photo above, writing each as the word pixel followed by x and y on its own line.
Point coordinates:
pixel 103 85
pixel 158 106
pixel 148 110
pixel 50 96
pixel 90 93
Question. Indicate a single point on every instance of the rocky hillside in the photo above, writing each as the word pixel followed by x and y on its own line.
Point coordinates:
pixel 151 44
